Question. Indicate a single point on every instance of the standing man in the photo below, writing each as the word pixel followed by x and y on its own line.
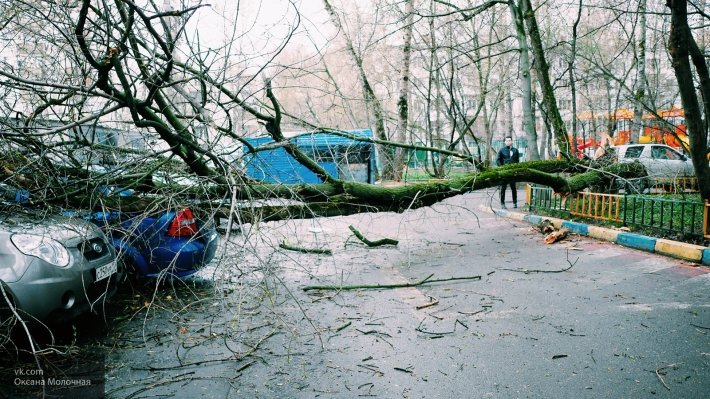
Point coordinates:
pixel 508 155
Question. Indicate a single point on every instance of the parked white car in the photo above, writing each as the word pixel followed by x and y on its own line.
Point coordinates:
pixel 661 161
pixel 663 164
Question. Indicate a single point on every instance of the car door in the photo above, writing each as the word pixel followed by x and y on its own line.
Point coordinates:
pixel 667 162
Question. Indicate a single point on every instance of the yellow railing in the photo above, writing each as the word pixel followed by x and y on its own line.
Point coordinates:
pixel 596 206
pixel 706 233
pixel 675 184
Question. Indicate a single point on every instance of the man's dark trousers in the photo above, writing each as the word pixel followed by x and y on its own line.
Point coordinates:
pixel 502 193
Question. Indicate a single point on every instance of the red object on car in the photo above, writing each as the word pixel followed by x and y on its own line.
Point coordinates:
pixel 183 225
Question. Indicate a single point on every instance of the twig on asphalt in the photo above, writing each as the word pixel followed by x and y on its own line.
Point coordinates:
pixel 378 334
pixel 438 334
pixel 697 326
pixel 471 313
pixel 323 251
pixel 433 302
pixel 246 366
pixel 426 280
pixel 661 379
pixel 375 332
pixel 344 326
pixel 377 243
pixel 660 370
pixel 528 271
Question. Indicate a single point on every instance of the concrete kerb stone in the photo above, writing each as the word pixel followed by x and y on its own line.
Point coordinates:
pixel 675 249
pixel 680 250
pixel 602 233
pixel 576 228
pixel 637 241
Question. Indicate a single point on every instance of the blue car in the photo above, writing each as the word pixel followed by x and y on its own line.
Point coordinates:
pixel 167 244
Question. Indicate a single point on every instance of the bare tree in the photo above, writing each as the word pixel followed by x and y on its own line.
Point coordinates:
pixel 403 102
pixel 543 72
pixel 123 60
pixel 684 50
pixel 371 98
pixel 636 127
pixel 525 80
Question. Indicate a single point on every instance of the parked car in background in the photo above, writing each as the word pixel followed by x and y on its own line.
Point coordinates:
pixel 665 165
pixel 660 160
pixel 163 244
pixel 52 268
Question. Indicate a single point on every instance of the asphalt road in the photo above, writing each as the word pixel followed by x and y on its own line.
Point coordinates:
pixel 619 323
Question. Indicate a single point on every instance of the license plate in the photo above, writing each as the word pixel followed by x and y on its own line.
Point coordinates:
pixel 106 270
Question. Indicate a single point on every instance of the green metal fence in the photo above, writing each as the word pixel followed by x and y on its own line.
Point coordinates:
pixel 666 216
pixel 672 216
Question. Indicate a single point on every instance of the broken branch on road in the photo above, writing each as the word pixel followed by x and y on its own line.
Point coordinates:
pixel 433 302
pixel 376 243
pixel 527 271
pixel 555 236
pixel 425 280
pixel 287 246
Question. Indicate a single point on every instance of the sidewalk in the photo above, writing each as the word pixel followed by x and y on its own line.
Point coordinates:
pixel 675 249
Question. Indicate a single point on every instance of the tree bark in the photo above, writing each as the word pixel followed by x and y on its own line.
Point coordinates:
pixel 682 47
pixel 640 94
pixel 543 72
pixel 403 102
pixel 572 78
pixel 525 82
pixel 347 197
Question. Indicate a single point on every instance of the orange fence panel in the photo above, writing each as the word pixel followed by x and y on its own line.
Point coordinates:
pixel 676 184
pixel 596 206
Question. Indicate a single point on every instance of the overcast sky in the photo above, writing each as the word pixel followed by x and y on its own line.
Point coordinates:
pixel 260 22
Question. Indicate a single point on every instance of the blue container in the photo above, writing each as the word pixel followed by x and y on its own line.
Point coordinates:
pixel 342 157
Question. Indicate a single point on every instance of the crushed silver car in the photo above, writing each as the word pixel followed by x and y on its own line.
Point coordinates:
pixel 52 269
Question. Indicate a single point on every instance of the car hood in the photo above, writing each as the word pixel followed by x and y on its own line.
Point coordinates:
pixel 62 229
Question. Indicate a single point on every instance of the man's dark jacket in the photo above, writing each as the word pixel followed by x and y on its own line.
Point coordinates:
pixel 508 155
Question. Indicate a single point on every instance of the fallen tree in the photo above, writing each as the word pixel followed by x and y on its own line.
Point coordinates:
pixel 250 201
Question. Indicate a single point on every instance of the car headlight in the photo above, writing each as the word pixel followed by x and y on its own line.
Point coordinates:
pixel 42 247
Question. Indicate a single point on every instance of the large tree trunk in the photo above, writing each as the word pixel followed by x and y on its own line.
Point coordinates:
pixel 509 120
pixel 640 95
pixel 548 94
pixel 346 197
pixel 682 47
pixel 525 82
pixel 403 103
pixel 572 79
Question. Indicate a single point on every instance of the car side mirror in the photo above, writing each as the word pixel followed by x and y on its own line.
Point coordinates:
pixel 683 157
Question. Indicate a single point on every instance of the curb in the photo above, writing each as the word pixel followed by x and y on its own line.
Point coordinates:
pixel 675 249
